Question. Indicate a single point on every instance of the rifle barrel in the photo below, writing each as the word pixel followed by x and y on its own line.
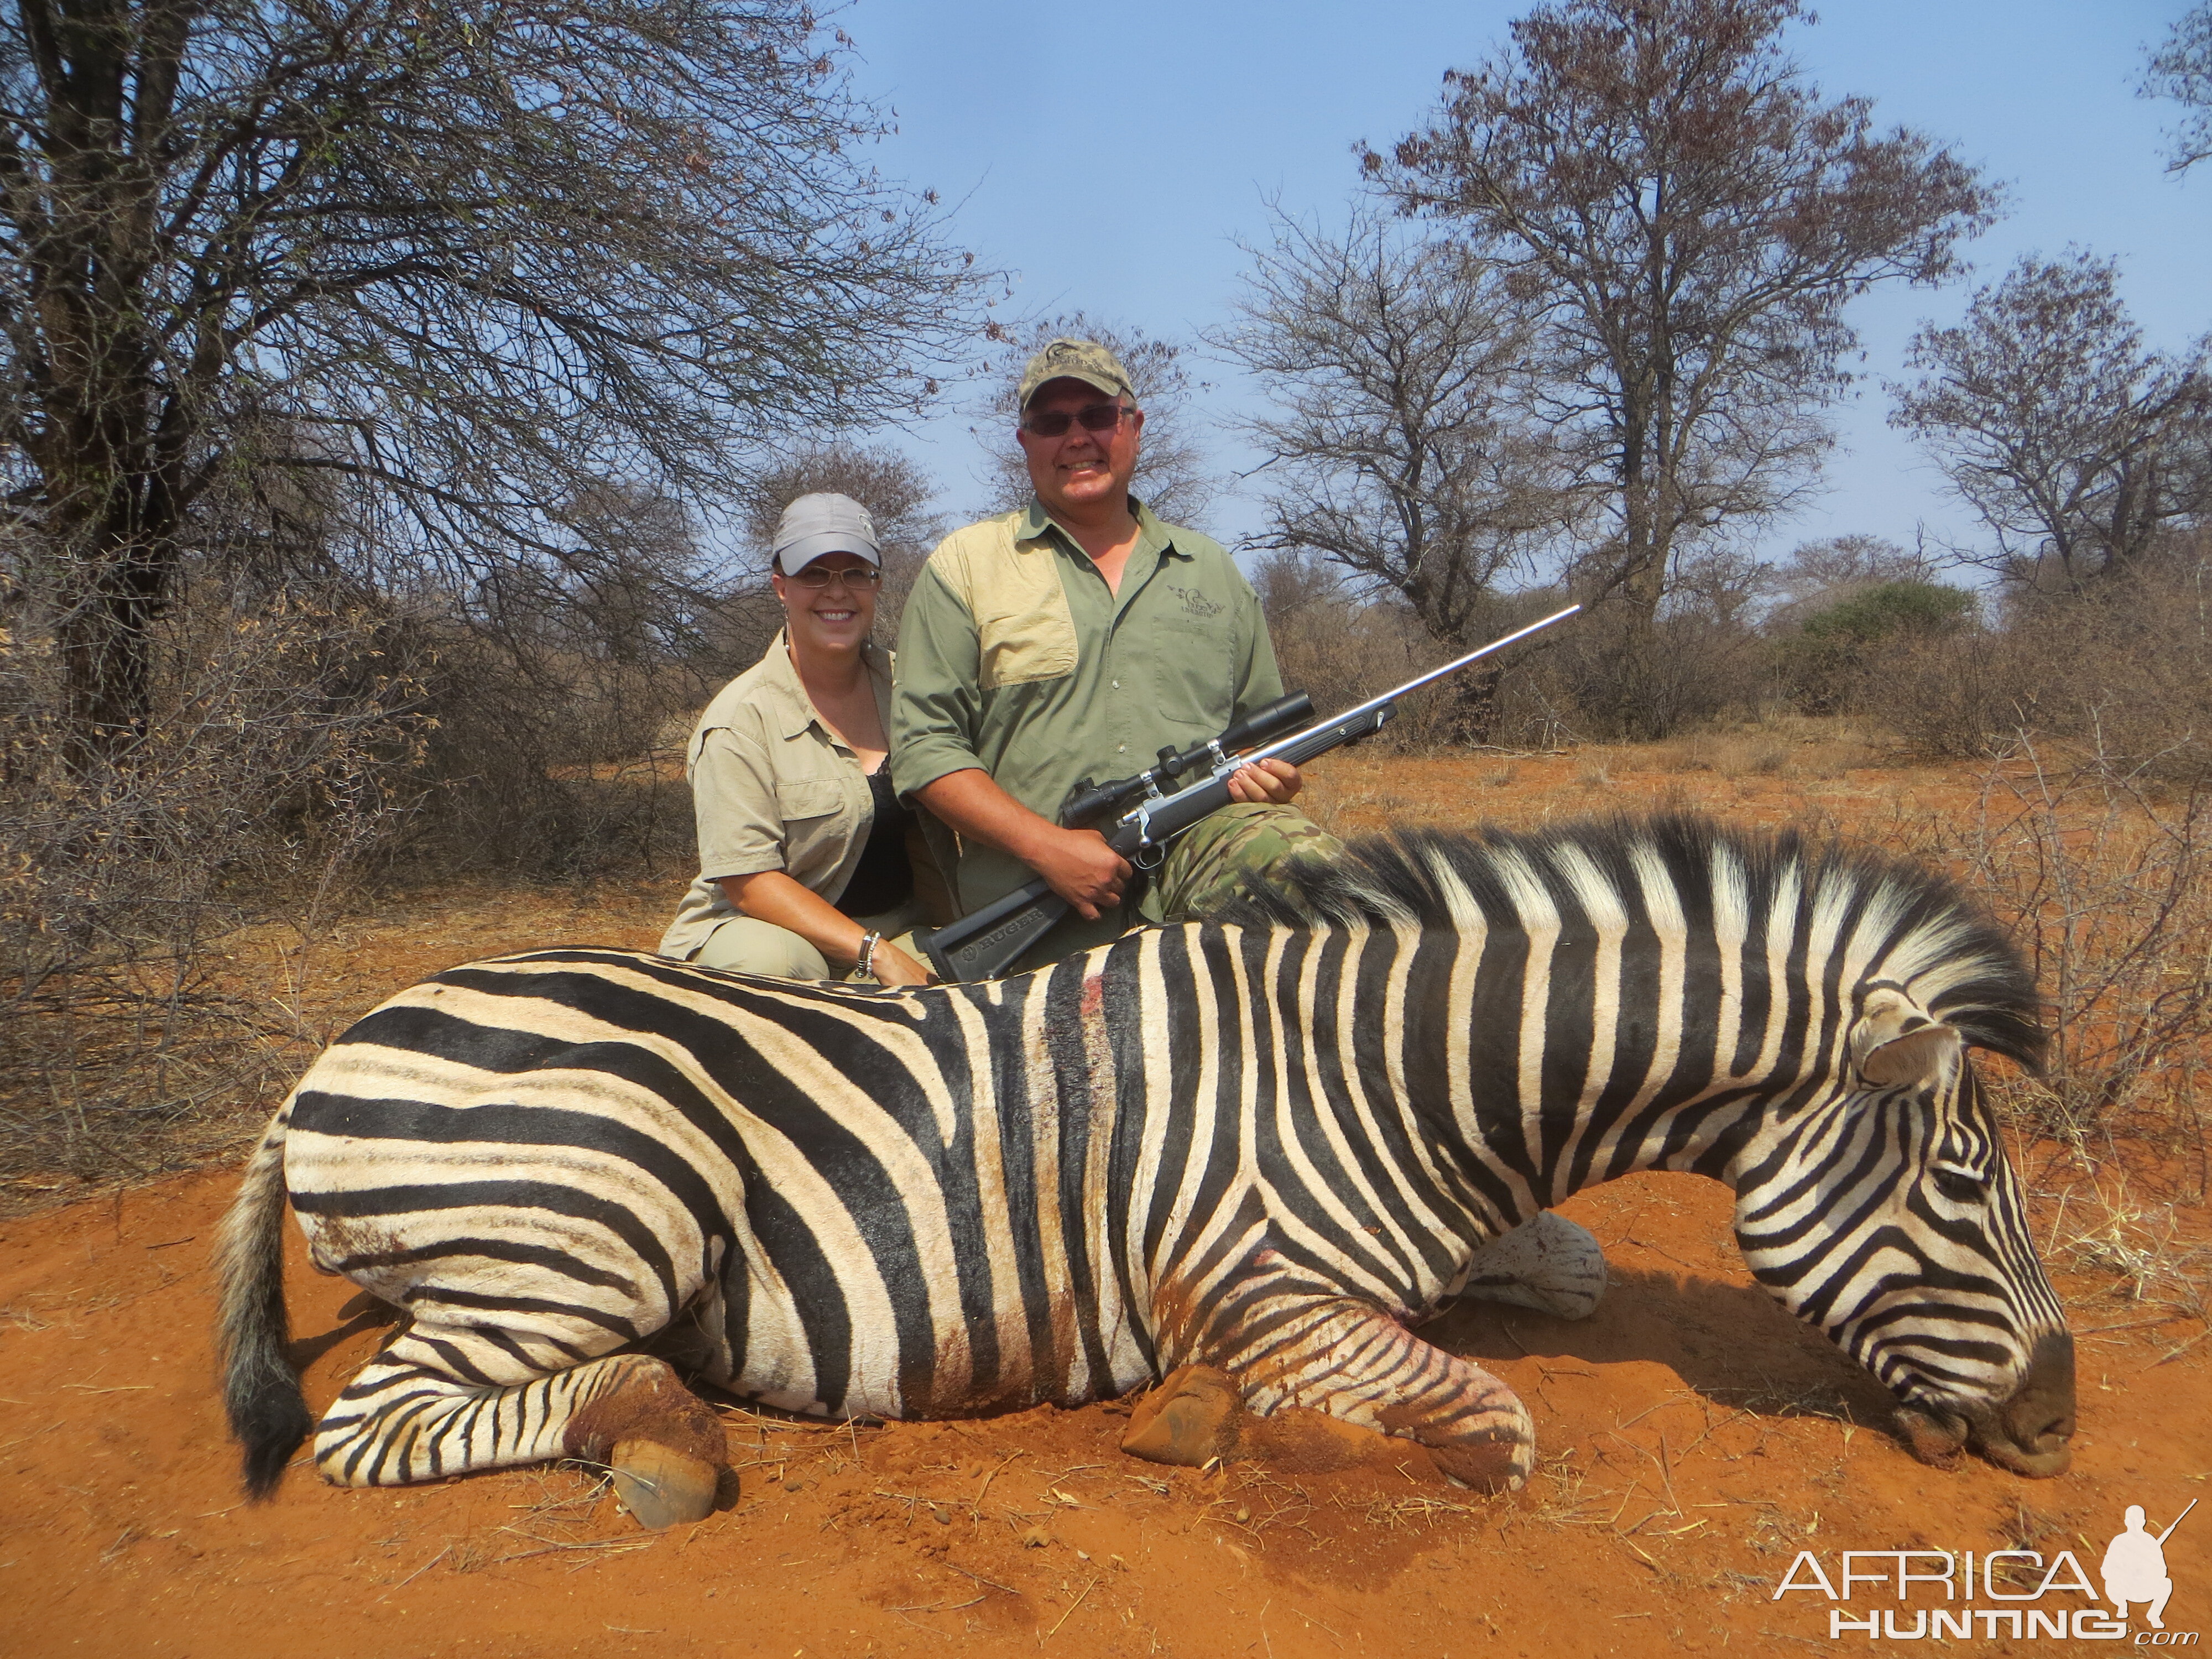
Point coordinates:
pixel 2177 1519
pixel 1270 750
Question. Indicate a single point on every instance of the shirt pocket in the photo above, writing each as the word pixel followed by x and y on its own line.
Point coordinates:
pixel 1194 667
pixel 810 798
pixel 1035 640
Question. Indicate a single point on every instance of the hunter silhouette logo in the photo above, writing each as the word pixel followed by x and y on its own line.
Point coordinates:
pixel 2135 1567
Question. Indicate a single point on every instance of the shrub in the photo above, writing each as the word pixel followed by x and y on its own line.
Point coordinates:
pixel 2123 672
pixel 285 747
pixel 1833 661
pixel 2106 882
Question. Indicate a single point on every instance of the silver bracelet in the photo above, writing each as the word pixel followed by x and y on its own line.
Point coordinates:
pixel 867 965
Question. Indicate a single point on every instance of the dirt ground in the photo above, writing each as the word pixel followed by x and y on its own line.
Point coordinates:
pixel 1694 1439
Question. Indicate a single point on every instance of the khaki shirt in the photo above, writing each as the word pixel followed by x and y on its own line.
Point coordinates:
pixel 772 789
pixel 1015 656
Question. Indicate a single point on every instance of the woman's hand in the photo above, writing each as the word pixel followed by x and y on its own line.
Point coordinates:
pixel 894 969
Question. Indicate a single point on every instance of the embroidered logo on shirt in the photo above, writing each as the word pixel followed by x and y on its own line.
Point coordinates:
pixel 1195 604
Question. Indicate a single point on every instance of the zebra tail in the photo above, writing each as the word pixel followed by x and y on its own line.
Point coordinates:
pixel 269 1415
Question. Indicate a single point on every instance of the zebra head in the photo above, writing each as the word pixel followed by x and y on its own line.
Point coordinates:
pixel 1886 1213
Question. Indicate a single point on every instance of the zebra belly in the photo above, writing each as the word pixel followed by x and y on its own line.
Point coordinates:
pixel 913 1325
pixel 775 1282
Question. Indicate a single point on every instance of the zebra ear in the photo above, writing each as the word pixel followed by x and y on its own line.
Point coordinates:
pixel 1896 1041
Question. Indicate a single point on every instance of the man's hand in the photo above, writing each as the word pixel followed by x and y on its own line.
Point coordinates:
pixel 1266 783
pixel 1077 864
pixel 1081 868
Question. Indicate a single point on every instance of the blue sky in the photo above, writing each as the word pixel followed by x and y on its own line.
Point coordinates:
pixel 1109 157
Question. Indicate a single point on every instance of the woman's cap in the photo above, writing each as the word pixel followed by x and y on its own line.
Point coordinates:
pixel 820 524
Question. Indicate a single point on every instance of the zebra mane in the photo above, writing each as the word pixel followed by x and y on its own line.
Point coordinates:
pixel 1966 969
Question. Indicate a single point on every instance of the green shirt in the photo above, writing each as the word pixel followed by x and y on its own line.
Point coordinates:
pixel 1015 656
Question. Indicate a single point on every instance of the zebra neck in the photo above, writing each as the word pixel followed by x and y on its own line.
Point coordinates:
pixel 1536 1074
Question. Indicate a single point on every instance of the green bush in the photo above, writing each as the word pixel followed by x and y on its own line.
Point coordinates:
pixel 1890 611
pixel 1828 662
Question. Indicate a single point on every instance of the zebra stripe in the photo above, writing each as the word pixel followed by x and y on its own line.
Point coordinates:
pixel 1268 1143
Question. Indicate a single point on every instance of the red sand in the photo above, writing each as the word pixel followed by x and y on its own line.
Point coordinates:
pixel 1694 1438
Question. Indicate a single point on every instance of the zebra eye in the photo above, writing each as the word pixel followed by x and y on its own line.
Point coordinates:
pixel 1959 1186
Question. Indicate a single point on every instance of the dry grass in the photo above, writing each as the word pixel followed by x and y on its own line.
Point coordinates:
pixel 2105 1227
pixel 1779 745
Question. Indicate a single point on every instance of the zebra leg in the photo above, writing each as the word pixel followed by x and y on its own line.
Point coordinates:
pixel 445 1399
pixel 1354 1361
pixel 1547 1263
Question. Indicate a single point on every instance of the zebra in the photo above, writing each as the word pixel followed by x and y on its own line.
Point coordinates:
pixel 1270 1142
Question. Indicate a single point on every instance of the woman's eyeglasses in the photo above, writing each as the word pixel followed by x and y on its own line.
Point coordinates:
pixel 1095 417
pixel 859 575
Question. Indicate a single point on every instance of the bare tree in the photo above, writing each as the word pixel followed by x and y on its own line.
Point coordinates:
pixel 1294 583
pixel 2181 68
pixel 1400 453
pixel 465 259
pixel 1173 476
pixel 2074 443
pixel 1690 218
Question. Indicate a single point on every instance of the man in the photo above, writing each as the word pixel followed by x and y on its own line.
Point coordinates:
pixel 1073 639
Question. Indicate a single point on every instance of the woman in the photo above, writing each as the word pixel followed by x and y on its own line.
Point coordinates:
pixel 806 859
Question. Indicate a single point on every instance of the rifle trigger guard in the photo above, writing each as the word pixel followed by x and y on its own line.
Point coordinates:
pixel 1159 853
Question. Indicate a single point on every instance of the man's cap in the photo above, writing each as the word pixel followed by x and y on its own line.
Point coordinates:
pixel 1076 360
pixel 823 523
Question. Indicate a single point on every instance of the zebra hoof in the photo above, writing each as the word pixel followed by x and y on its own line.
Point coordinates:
pixel 1190 1419
pixel 1484 1465
pixel 662 1487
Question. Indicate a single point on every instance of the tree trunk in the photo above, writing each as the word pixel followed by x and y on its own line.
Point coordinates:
pixel 1475 712
pixel 112 576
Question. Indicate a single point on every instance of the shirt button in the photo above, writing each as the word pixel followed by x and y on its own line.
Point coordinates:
pixel 1117 685
pixel 1122 749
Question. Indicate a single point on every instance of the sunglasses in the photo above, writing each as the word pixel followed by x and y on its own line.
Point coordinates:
pixel 815 578
pixel 1095 417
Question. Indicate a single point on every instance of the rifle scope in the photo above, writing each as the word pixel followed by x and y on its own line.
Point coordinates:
pixel 1256 728
pixel 1283 715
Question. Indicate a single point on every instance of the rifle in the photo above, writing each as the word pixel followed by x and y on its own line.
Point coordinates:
pixel 1147 816
pixel 2177 1519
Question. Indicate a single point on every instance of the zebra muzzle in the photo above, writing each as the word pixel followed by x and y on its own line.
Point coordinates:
pixel 2031 1431
pixel 2028 1434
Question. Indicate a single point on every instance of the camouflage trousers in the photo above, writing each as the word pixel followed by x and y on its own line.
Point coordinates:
pixel 1203 870
pixel 1206 865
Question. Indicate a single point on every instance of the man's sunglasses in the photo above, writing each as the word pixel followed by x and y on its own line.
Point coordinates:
pixel 814 576
pixel 1095 417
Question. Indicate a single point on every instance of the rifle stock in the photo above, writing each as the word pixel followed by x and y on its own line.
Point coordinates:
pixel 984 945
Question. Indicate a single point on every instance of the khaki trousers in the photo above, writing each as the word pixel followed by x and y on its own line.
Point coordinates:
pixel 744 945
